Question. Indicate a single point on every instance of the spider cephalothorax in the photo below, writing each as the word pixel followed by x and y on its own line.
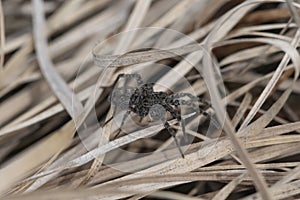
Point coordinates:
pixel 143 101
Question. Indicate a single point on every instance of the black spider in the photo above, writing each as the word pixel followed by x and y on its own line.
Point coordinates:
pixel 143 100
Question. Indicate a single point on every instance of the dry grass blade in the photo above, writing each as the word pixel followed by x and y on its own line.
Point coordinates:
pixel 2 37
pixel 283 192
pixel 11 71
pixel 142 57
pixel 257 126
pixel 258 180
pixel 293 12
pixel 225 191
pixel 171 195
pixel 241 57
pixel 276 76
pixel 241 110
pixel 229 20
pixel 51 111
pixel 35 156
pixel 166 20
pixel 106 148
pixel 58 85
pixel 135 20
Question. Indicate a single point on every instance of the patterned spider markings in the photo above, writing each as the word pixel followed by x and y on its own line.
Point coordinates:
pixel 143 101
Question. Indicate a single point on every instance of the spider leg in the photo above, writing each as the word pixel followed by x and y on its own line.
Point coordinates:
pixel 182 121
pixel 136 76
pixel 175 113
pixel 112 116
pixel 173 133
pixel 122 123
pixel 173 98
pixel 207 115
pixel 192 98
pixel 200 111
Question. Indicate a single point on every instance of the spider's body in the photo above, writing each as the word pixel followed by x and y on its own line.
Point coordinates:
pixel 144 98
pixel 144 101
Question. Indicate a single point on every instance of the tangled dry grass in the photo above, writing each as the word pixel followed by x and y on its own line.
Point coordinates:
pixel 59 60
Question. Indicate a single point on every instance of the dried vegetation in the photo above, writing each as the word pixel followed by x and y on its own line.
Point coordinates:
pixel 54 84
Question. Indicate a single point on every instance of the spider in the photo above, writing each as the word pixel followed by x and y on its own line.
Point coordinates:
pixel 143 101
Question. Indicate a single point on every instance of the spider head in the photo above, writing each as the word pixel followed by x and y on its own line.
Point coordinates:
pixel 147 88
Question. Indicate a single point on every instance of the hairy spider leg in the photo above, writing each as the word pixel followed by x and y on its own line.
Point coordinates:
pixel 168 127
pixel 198 108
pixel 137 77
pixel 112 116
pixel 175 113
pixel 200 111
pixel 122 123
pixel 179 118
pixel 173 133
pixel 114 110
pixel 192 98
pixel 182 122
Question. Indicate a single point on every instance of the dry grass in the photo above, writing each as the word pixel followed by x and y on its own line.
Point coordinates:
pixel 59 61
